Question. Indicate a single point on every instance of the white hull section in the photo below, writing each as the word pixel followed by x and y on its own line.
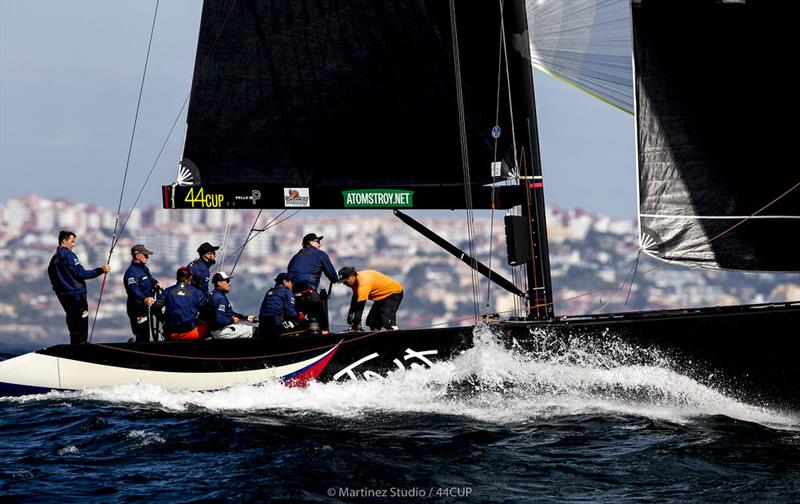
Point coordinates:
pixel 45 371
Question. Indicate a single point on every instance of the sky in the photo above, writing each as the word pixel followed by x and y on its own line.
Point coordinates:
pixel 70 73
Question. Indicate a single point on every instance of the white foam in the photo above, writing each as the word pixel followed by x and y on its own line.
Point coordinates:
pixel 487 383
pixel 145 438
pixel 68 450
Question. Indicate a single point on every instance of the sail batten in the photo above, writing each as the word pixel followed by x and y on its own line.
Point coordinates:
pixel 731 217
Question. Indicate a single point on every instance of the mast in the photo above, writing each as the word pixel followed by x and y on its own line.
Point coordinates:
pixel 540 293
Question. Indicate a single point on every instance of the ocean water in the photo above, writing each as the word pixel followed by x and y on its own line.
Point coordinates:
pixel 488 426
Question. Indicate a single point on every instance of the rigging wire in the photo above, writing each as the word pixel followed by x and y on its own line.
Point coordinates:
pixel 225 238
pixel 532 303
pixel 727 230
pixel 666 262
pixel 127 166
pixel 508 84
pixel 152 168
pixel 634 266
pixel 465 161
pixel 241 249
pixel 252 235
pixel 494 157
pixel 633 276
pixel 117 235
pixel 171 130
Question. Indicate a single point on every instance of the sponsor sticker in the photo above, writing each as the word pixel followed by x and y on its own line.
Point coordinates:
pixel 378 198
pixel 296 197
pixel 254 196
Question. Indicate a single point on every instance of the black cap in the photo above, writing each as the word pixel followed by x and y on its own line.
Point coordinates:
pixel 206 247
pixel 218 277
pixel 140 249
pixel 311 237
pixel 345 273
pixel 281 277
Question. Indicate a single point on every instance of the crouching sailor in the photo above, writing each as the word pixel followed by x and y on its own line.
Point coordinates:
pixel 141 288
pixel 278 314
pixel 370 285
pixel 68 279
pixel 181 304
pixel 223 322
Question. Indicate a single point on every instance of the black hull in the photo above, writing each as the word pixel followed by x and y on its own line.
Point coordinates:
pixel 751 352
pixel 748 351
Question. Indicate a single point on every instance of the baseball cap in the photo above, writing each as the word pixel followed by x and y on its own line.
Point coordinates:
pixel 220 276
pixel 345 273
pixel 206 247
pixel 311 237
pixel 281 277
pixel 140 249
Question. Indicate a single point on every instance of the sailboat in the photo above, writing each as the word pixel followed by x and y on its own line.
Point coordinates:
pixel 430 105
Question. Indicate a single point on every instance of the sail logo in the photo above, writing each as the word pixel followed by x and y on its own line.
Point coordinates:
pixel 296 197
pixel 378 198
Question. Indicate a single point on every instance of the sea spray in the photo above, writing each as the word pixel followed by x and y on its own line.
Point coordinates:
pixel 488 382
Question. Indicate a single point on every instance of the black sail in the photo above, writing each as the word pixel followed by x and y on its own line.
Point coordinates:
pixel 718 186
pixel 330 95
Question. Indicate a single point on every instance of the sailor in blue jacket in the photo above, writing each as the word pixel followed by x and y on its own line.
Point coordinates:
pixel 201 267
pixel 277 312
pixel 223 322
pixel 181 304
pixel 306 269
pixel 68 279
pixel 141 288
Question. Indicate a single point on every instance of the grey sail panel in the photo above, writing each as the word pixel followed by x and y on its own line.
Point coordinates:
pixel 362 94
pixel 586 43
pixel 714 150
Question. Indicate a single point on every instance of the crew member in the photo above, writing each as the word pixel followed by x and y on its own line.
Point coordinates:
pixel 68 279
pixel 201 267
pixel 223 322
pixel 141 288
pixel 306 269
pixel 278 312
pixel 385 292
pixel 181 304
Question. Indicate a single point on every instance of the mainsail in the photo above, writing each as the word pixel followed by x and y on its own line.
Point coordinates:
pixel 717 186
pixel 325 98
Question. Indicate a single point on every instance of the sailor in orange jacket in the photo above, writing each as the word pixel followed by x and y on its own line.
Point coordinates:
pixel 370 285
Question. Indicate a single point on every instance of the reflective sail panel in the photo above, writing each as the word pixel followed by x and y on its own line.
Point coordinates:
pixel 716 174
pixel 586 43
pixel 325 96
